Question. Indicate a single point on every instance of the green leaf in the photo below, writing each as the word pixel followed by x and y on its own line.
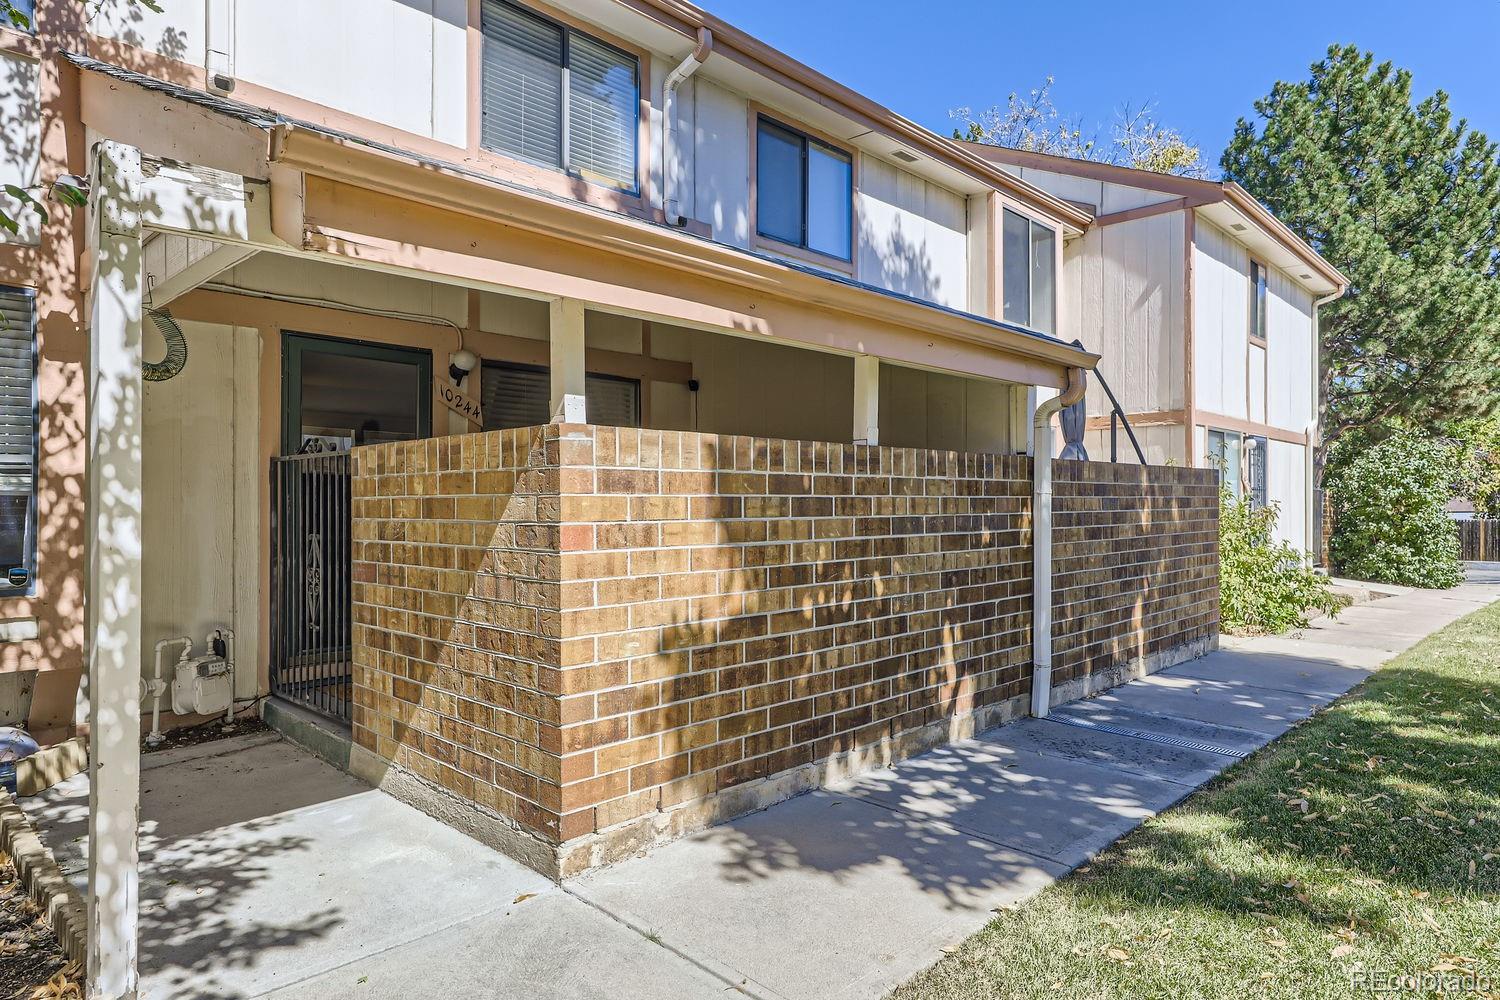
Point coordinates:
pixel 72 190
pixel 8 224
pixel 19 193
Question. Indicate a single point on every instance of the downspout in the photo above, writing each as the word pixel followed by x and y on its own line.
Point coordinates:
pixel 1041 542
pixel 671 205
pixel 1314 527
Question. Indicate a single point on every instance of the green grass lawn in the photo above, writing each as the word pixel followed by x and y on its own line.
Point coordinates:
pixel 1364 843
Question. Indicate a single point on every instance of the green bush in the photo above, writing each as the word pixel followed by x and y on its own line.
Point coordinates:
pixel 1390 524
pixel 1264 585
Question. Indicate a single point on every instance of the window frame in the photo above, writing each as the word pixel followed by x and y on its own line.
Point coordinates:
pixel 564 169
pixel 998 243
pixel 1260 297
pixel 800 251
pixel 29 540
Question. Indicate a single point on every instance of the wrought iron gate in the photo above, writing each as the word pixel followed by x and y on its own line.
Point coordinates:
pixel 310 596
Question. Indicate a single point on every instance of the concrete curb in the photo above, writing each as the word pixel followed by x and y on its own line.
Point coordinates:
pixel 62 906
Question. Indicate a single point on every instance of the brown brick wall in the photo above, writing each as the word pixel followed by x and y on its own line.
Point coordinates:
pixel 456 614
pixel 740 607
pixel 1135 560
pixel 580 627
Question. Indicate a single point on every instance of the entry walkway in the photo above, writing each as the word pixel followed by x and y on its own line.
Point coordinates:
pixel 267 873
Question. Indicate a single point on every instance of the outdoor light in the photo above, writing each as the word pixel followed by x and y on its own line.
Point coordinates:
pixel 460 363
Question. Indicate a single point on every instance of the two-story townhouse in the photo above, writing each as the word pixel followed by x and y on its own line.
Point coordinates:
pixel 1204 309
pixel 613 423
pixel 822 195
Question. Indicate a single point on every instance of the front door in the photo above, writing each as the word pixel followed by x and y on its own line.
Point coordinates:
pixel 336 394
pixel 342 393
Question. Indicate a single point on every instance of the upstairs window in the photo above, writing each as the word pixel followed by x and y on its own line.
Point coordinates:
pixel 1258 301
pixel 804 191
pixel 556 97
pixel 1029 262
pixel 17 440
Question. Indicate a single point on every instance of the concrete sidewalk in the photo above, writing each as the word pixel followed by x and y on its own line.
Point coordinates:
pixel 267 873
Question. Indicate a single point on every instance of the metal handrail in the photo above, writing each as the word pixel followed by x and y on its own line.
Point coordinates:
pixel 1118 414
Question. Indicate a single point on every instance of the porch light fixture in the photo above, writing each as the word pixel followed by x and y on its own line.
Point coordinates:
pixel 460 363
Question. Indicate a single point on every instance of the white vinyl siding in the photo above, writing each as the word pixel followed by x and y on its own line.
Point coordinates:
pixel 17 438
pixel 1221 323
pixel 1289 355
pixel 558 98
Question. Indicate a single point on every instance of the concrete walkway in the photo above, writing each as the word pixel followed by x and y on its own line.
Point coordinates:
pixel 267 873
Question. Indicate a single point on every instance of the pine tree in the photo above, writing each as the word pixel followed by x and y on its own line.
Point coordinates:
pixel 1405 200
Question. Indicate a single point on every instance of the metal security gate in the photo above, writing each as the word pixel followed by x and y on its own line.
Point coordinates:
pixel 310 597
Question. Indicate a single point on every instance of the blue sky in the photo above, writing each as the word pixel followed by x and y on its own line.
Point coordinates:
pixel 1202 64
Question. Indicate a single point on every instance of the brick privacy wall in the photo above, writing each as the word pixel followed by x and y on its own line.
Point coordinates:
pixel 575 627
pixel 456 601
pixel 736 607
pixel 1135 559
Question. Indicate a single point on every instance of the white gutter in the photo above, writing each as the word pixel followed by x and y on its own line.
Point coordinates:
pixel 671 204
pixel 1041 542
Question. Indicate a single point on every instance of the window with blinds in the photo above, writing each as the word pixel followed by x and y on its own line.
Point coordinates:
pixel 17 437
pixel 557 97
pixel 518 396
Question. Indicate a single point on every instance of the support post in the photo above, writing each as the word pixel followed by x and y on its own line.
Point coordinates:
pixel 1022 405
pixel 866 399
pixel 114 571
pixel 568 404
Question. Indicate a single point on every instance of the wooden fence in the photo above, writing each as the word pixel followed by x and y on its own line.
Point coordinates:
pixel 1479 540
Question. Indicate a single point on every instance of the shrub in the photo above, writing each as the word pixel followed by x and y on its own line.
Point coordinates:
pixel 1390 524
pixel 1264 585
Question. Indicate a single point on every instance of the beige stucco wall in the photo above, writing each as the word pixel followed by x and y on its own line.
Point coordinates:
pixel 920 409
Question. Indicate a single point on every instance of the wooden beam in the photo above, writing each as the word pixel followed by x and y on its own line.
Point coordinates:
pixel 1146 211
pixel 866 400
pixel 1220 421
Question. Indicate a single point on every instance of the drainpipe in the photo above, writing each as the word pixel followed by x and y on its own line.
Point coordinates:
pixel 1041 542
pixel 688 67
pixel 1314 515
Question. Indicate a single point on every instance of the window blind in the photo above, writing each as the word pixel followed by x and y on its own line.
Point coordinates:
pixel 523 80
pixel 613 402
pixel 17 431
pixel 519 396
pixel 602 111
pixel 514 396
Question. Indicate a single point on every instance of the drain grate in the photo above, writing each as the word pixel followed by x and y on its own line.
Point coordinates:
pixel 1139 734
